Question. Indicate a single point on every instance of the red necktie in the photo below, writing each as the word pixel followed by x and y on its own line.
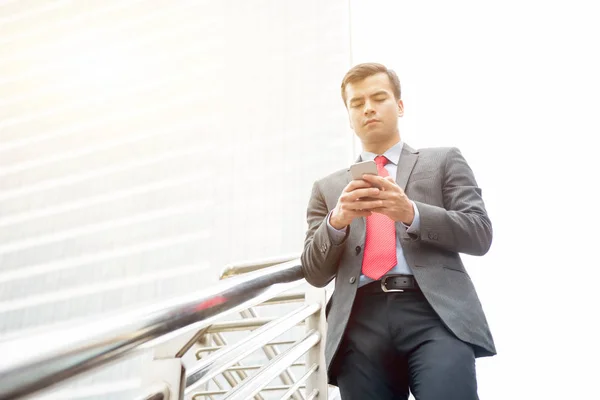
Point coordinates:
pixel 380 244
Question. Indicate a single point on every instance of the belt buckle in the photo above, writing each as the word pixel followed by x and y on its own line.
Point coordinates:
pixel 386 290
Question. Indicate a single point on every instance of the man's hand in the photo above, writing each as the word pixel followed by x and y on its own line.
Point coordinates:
pixel 357 198
pixel 394 202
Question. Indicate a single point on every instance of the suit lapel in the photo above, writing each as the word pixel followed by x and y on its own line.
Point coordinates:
pixel 408 159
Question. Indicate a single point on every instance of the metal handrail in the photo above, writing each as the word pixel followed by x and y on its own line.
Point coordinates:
pixel 300 382
pixel 271 350
pixel 253 385
pixel 71 350
pixel 243 268
pixel 218 362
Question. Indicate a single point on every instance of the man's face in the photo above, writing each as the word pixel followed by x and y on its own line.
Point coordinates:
pixel 373 109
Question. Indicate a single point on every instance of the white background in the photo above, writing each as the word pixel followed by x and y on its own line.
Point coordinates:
pixel 138 138
pixel 514 85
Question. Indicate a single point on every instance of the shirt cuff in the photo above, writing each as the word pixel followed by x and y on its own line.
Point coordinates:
pixel 337 236
pixel 415 227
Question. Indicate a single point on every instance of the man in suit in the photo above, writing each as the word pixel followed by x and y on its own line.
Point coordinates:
pixel 404 313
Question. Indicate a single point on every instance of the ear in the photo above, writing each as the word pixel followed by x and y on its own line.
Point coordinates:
pixel 400 108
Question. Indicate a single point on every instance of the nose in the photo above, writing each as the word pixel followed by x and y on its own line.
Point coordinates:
pixel 368 107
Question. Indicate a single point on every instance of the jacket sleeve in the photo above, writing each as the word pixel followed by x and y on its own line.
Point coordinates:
pixel 462 225
pixel 321 257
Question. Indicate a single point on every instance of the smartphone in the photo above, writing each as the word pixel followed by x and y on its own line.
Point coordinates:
pixel 365 167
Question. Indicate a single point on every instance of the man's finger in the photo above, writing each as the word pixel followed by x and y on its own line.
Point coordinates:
pixel 357 184
pixel 388 194
pixel 357 194
pixel 361 213
pixel 365 204
pixel 384 183
pixel 363 192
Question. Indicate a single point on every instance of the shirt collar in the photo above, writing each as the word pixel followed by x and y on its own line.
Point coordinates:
pixel 392 154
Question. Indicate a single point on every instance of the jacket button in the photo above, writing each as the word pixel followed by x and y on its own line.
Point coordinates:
pixel 357 250
pixel 352 280
pixel 432 236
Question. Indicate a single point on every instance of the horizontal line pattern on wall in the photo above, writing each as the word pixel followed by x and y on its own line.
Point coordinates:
pixel 146 144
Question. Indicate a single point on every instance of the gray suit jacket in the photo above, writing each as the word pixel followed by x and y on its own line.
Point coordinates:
pixel 453 221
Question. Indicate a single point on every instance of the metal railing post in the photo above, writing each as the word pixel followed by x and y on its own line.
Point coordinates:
pixel 316 355
pixel 167 368
pixel 168 371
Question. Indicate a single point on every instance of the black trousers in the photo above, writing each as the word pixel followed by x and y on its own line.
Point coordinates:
pixel 396 341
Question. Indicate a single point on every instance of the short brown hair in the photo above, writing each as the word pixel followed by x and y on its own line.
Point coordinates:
pixel 362 71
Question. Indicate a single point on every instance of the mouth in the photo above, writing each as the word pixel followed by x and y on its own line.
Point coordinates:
pixel 371 121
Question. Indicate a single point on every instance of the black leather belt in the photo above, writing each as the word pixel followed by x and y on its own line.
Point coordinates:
pixel 392 283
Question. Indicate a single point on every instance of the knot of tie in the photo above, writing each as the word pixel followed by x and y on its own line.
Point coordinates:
pixel 381 161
